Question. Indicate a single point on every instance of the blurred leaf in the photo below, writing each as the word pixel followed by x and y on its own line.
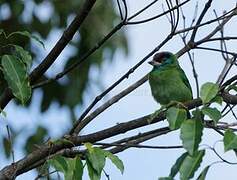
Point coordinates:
pixel 27 34
pixel 1 31
pixel 16 76
pixel 213 113
pixel 203 174
pixel 175 117
pixel 191 134
pixel 43 28
pixel 7 147
pixel 50 95
pixel 208 92
pixel 35 139
pixel 230 140
pixel 190 165
pixel 17 8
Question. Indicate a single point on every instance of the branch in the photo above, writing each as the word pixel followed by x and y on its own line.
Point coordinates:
pixel 204 11
pixel 54 53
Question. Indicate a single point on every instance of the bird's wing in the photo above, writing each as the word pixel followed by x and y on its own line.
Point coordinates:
pixel 185 79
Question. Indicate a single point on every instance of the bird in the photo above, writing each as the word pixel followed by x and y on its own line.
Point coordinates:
pixel 168 81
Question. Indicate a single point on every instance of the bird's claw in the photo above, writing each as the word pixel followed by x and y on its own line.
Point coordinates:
pixel 177 104
pixel 155 114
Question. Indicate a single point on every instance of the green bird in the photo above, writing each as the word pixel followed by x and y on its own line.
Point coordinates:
pixel 168 81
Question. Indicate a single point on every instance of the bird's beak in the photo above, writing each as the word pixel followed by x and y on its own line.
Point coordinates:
pixel 153 63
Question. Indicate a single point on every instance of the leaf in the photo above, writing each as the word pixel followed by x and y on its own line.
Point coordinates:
pixel 23 55
pixel 16 76
pixel 71 168
pixel 27 34
pixel 92 172
pixel 96 158
pixel 175 168
pixel 175 117
pixel 191 133
pixel 7 147
pixel 218 100
pixel 208 92
pixel 197 114
pixel 213 113
pixel 230 140
pixel 59 163
pixel 75 169
pixel 89 147
pixel 203 174
pixel 190 165
pixel 37 138
pixel 78 171
pixel 115 160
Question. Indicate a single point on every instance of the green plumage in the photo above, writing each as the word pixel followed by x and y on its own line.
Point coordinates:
pixel 167 80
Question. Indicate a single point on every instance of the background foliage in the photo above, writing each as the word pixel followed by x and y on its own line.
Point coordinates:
pixel 43 18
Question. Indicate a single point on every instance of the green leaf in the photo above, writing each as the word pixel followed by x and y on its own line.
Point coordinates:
pixel 37 138
pixel 23 55
pixel 230 140
pixel 92 172
pixel 203 174
pixel 213 113
pixel 59 163
pixel 97 159
pixel 197 114
pixel 27 34
pixel 115 160
pixel 75 169
pixel 190 165
pixel 208 92
pixel 7 147
pixel 89 147
pixel 191 133
pixel 218 100
pixel 175 168
pixel 1 31
pixel 71 168
pixel 16 76
pixel 175 117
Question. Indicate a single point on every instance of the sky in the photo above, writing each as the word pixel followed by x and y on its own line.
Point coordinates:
pixel 140 164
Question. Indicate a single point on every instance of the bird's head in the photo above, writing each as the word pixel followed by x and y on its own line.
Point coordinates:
pixel 162 59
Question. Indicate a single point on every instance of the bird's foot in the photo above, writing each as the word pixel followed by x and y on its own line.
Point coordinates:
pixel 155 114
pixel 177 104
